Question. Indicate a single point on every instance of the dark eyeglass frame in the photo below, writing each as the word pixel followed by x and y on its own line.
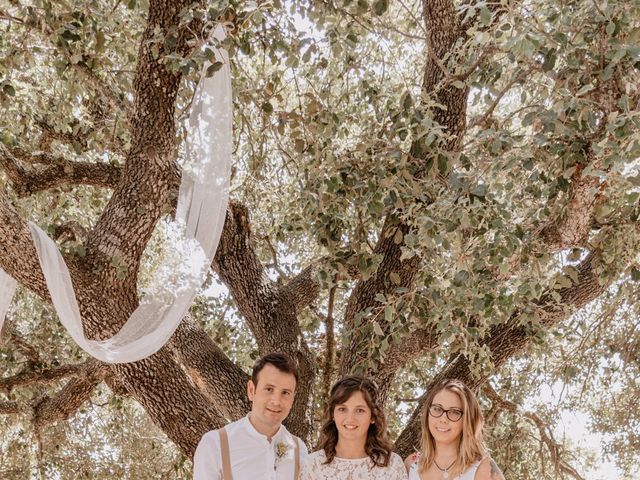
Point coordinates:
pixel 446 412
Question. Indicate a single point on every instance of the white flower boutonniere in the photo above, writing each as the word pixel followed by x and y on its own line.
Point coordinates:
pixel 281 451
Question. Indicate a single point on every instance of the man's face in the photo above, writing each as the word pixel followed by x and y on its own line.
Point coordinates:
pixel 271 398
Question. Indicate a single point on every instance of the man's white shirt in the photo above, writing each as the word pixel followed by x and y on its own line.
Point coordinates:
pixel 253 457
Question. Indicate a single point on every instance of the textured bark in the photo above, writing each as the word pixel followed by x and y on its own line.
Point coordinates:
pixel 217 377
pixel 10 408
pixel 266 307
pixel 302 290
pixel 170 398
pixel 58 173
pixel 35 377
pixel 443 30
pixel 67 401
pixel 571 228
pixel 18 255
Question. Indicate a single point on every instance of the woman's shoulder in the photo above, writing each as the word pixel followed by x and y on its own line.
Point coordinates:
pixel 396 465
pixel 318 456
pixel 395 459
pixel 488 470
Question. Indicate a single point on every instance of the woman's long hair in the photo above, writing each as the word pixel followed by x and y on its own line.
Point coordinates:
pixel 471 447
pixel 377 446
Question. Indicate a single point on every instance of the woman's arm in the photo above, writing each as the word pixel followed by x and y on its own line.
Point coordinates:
pixel 410 460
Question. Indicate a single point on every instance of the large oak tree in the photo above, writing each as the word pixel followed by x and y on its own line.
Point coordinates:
pixel 421 190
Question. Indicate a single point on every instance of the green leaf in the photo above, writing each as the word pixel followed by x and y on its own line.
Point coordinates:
pixel 485 16
pixel 9 89
pixel 210 55
pixel 376 327
pixel 299 145
pixel 549 61
pixel 100 41
pixel 586 88
pixel 388 313
pixel 213 68
pixel 381 6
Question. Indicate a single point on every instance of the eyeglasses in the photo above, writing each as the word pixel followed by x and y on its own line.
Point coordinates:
pixel 453 414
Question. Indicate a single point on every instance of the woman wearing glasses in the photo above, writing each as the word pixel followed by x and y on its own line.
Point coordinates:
pixel 353 439
pixel 452 440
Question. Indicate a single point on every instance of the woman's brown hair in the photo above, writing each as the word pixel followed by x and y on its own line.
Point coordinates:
pixel 377 446
pixel 471 446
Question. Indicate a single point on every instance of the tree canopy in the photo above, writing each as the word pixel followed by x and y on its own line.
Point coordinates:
pixel 421 189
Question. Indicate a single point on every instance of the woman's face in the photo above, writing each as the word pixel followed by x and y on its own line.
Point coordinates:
pixel 442 429
pixel 352 418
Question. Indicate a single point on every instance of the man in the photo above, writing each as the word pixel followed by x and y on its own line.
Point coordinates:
pixel 257 446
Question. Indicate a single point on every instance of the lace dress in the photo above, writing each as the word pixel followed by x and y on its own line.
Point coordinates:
pixel 351 469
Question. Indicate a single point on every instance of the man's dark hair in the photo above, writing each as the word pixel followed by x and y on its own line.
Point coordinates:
pixel 279 360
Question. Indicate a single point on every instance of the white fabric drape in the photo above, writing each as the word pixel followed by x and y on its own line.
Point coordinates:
pixel 193 238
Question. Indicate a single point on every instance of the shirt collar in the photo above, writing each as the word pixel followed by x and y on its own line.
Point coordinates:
pixel 251 430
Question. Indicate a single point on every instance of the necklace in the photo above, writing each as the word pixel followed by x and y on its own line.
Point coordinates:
pixel 445 471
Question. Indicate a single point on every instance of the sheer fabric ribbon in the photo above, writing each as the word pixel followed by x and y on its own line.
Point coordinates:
pixel 193 237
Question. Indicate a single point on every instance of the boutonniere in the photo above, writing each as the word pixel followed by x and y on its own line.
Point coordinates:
pixel 281 450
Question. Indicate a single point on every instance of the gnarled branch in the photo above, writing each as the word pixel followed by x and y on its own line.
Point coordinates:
pixel 72 396
pixel 45 376
pixel 270 314
pixel 57 173
pixel 217 377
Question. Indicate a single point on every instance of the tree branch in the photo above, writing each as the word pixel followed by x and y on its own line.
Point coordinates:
pixel 555 449
pixel 106 93
pixel 170 398
pixel 512 337
pixel 146 189
pixel 266 307
pixel 59 172
pixel 72 396
pixel 327 369
pixel 45 376
pixel 78 139
pixel 29 351
pixel 442 25
pixel 572 226
pixel 18 256
pixel 217 377
pixel 303 289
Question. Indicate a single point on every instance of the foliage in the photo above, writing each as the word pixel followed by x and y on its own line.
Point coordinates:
pixel 334 134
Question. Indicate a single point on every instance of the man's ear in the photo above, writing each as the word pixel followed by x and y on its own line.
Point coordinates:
pixel 251 390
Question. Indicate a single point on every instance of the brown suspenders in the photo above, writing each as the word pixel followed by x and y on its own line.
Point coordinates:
pixel 226 456
pixel 296 456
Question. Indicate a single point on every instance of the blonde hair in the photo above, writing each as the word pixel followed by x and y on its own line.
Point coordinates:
pixel 471 447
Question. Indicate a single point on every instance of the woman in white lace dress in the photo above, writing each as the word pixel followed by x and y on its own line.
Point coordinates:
pixel 353 440
pixel 452 440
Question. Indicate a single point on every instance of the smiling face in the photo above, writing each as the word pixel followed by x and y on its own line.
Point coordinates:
pixel 353 418
pixel 442 429
pixel 272 398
